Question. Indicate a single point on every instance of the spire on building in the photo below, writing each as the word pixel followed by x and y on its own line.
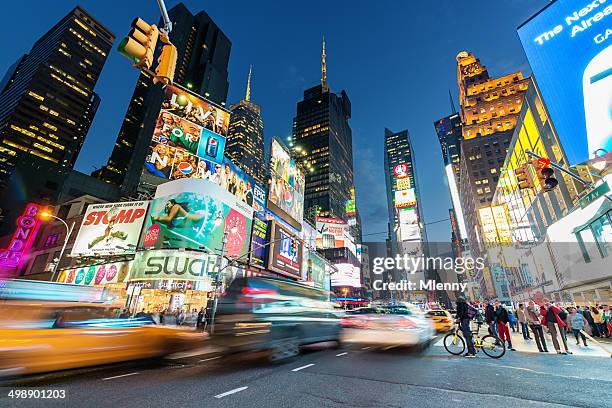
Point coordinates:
pixel 323 69
pixel 248 89
pixel 452 103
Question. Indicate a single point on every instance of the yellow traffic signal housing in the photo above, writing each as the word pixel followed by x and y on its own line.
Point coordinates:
pixel 166 64
pixel 523 177
pixel 139 45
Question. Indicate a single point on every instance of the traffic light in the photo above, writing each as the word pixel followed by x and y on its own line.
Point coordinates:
pixel 547 179
pixel 294 246
pixel 139 45
pixel 166 63
pixel 523 177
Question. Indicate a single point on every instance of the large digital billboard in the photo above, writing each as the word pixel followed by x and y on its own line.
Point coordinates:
pixel 173 264
pixel 116 272
pixel 405 198
pixel 287 186
pixel 568 45
pixel 195 213
pixel 110 228
pixel 285 252
pixel 409 229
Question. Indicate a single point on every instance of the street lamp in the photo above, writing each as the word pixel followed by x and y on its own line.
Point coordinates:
pixel 218 221
pixel 46 214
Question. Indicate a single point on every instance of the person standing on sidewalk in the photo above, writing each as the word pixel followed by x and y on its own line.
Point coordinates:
pixel 463 316
pixel 577 323
pixel 522 318
pixel 502 319
pixel 490 318
pixel 550 318
pixel 533 319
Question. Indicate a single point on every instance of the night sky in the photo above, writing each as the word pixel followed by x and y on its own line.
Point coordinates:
pixel 396 60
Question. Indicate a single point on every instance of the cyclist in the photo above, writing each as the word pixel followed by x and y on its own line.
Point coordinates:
pixel 465 313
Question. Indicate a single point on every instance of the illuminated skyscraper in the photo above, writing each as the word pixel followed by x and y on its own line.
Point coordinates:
pixel 203 56
pixel 47 99
pixel 245 139
pixel 323 142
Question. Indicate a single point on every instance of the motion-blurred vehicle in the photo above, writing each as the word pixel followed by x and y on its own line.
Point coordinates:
pixel 275 316
pixel 49 335
pixel 403 326
pixel 442 319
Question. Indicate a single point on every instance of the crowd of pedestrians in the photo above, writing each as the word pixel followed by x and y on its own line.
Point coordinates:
pixel 534 319
pixel 200 319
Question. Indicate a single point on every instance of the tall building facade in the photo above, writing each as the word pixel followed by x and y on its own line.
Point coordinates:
pixel 203 57
pixel 47 99
pixel 489 109
pixel 323 139
pixel 449 132
pixel 245 139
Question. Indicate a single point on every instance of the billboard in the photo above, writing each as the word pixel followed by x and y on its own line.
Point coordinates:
pixel 173 264
pixel 346 275
pixel 405 198
pixel 409 224
pixel 194 213
pixel 287 185
pixel 350 209
pixel 259 240
pixel 96 274
pixel 23 237
pixel 317 270
pixel 569 48
pixel 285 252
pixel 110 228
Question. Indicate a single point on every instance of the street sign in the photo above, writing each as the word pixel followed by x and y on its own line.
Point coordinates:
pixel 594 194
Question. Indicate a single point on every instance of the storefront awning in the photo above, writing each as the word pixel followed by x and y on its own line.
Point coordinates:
pixel 604 207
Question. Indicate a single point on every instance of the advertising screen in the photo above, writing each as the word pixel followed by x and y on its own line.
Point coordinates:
pixel 287 185
pixel 285 252
pixel 110 229
pixel 191 213
pixel 405 198
pixel 316 270
pixel 172 264
pixel 258 240
pixel 96 274
pixel 569 48
pixel 409 224
pixel 346 275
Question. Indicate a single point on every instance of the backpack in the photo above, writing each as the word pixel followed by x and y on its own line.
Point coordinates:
pixel 471 311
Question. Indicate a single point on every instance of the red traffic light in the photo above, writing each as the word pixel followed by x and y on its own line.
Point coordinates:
pixel 542 162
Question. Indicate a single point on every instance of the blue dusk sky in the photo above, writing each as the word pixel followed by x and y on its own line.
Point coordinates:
pixel 395 59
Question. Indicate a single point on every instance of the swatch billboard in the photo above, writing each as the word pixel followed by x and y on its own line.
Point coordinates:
pixel 286 196
pixel 569 48
pixel 195 213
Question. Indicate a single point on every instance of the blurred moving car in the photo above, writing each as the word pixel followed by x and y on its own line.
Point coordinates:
pixel 403 325
pixel 41 336
pixel 273 315
pixel 442 319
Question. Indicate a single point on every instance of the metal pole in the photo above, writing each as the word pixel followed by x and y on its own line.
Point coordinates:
pixel 164 13
pixel 218 284
pixel 68 233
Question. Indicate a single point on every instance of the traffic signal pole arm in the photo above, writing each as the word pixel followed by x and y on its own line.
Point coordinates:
pixel 568 172
pixel 167 23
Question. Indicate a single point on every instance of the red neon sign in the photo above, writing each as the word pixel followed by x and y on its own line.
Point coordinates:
pixel 23 237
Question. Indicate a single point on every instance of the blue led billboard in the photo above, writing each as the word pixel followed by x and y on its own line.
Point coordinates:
pixel 568 47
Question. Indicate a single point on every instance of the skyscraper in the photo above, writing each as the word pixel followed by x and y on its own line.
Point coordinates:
pixel 402 188
pixel 323 141
pixel 245 140
pixel 47 100
pixel 489 111
pixel 203 56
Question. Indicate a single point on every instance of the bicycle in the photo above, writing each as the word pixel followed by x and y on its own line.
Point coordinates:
pixel 491 345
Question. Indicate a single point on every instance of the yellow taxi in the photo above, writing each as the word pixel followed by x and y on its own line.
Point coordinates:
pixel 442 319
pixel 37 337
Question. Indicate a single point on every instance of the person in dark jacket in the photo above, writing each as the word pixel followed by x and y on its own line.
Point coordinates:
pixel 551 319
pixel 464 324
pixel 503 319
pixel 490 318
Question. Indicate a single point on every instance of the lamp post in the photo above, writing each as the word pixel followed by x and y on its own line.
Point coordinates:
pixel 47 214
pixel 218 221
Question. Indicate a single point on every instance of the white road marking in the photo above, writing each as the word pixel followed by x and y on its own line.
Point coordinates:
pixel 118 376
pixel 302 367
pixel 230 392
pixel 366 348
pixel 342 354
pixel 209 359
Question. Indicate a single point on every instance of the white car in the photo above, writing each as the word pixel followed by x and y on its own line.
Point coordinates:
pixel 401 326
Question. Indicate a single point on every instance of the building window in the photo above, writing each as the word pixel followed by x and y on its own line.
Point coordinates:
pixel 602 231
pixel 51 240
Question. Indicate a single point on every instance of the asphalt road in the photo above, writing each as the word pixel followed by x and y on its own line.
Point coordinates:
pixel 350 377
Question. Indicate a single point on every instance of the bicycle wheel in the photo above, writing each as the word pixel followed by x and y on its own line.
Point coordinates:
pixel 454 343
pixel 492 346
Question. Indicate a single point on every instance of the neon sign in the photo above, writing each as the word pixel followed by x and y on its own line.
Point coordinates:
pixel 27 228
